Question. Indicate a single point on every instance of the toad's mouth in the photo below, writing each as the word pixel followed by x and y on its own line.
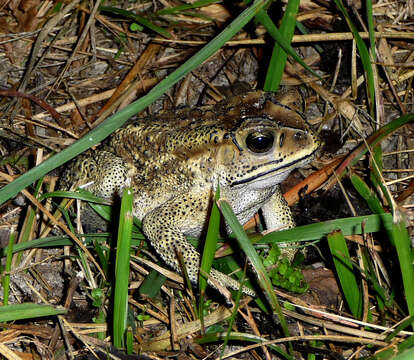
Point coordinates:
pixel 264 173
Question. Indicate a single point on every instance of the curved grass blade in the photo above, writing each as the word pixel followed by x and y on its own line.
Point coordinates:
pixel 373 140
pixel 348 226
pixel 52 241
pixel 368 194
pixel 180 8
pixel 249 250
pixel 117 120
pixel 57 241
pixel 304 30
pixel 401 326
pixel 79 195
pixel 137 18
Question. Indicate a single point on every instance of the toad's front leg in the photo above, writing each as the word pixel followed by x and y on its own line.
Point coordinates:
pixel 278 216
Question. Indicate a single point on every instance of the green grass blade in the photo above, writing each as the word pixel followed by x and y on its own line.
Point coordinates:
pixel 208 254
pixel 232 318
pixel 368 194
pixel 83 260
pixel 400 237
pixel 229 264
pixel 103 256
pixel 267 22
pixel 377 157
pixel 105 211
pixel 57 241
pixel 377 179
pixel 28 311
pixel 139 19
pixel 348 226
pixel 255 260
pixel 6 273
pixel 406 344
pixel 129 341
pixel 235 336
pixel 180 8
pixel 371 28
pixel 397 233
pixel 404 348
pixel 401 326
pixel 406 355
pixel 210 244
pixel 376 166
pixel 364 55
pixel 117 120
pixel 52 241
pixel 317 231
pixel 304 30
pixel 344 270
pixel 375 205
pixel 151 286
pixel 373 140
pixel 279 56
pixel 122 268
pixel 27 229
pixel 78 195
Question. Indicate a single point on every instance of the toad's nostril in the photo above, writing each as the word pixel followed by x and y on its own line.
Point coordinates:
pixel 281 139
pixel 299 136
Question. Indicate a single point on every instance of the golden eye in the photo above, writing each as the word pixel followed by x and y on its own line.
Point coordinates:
pixel 260 142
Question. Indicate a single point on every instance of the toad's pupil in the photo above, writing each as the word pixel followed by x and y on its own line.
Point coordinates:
pixel 259 143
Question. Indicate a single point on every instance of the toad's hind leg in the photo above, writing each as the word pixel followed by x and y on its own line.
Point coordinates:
pixel 165 227
pixel 100 172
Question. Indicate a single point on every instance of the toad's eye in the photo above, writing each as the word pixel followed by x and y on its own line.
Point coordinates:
pixel 260 142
